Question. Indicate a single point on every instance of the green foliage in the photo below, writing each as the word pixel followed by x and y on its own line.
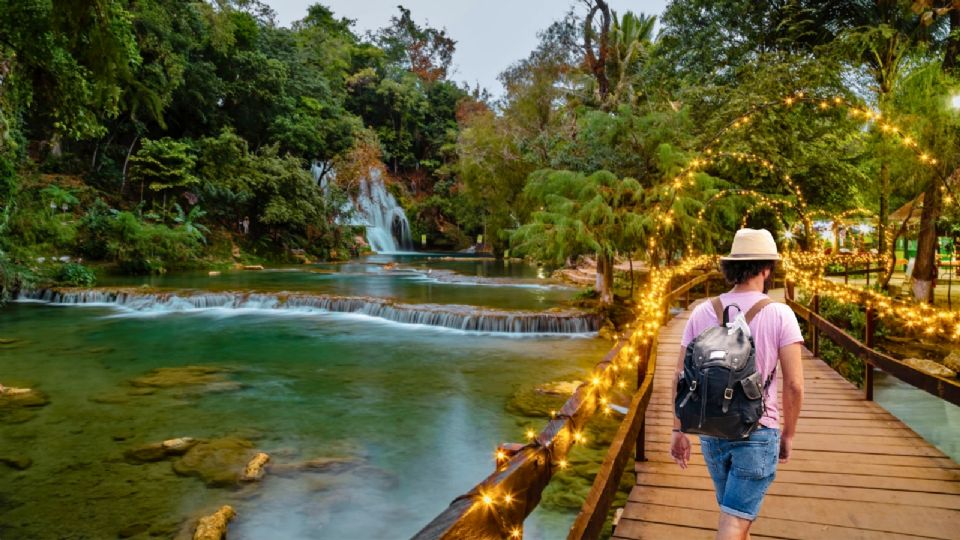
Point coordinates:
pixel 580 214
pixel 76 275
pixel 164 164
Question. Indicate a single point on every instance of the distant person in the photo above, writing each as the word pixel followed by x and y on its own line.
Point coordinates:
pixel 743 469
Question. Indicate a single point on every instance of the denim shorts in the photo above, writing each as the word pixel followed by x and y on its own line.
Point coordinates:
pixel 742 470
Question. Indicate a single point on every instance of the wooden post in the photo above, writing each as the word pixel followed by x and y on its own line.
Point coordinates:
pixel 788 285
pixel 868 275
pixel 642 440
pixel 846 272
pixel 814 332
pixel 708 288
pixel 867 366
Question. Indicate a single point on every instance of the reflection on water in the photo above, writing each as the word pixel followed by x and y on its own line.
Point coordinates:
pixel 932 418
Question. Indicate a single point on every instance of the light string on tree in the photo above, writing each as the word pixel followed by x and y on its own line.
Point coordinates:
pixel 806 271
pixel 687 176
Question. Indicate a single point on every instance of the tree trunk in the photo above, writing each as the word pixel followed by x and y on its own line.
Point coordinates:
pixel 597 61
pixel 925 269
pixel 884 207
pixel 126 163
pixel 605 278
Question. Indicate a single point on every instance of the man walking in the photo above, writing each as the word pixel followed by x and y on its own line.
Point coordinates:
pixel 742 469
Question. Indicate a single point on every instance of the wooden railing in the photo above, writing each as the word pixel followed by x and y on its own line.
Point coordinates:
pixel 498 505
pixel 596 506
pixel 946 389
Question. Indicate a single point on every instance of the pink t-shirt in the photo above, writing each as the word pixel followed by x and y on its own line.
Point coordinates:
pixel 774 327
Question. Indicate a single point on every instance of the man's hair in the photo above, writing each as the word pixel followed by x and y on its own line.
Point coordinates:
pixel 737 272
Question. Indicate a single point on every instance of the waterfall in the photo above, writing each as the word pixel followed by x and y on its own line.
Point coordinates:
pixel 385 220
pixel 388 230
pixel 457 317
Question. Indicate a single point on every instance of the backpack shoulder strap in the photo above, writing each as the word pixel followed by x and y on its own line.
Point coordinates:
pixel 717 308
pixel 753 311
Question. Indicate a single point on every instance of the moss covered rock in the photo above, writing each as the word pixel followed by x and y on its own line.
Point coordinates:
pixel 218 462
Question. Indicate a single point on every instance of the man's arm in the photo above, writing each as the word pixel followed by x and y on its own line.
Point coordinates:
pixel 792 368
pixel 679 443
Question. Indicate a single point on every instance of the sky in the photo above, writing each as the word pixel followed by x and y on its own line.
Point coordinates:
pixel 490 34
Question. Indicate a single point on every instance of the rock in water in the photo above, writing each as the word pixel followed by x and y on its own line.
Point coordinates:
pixel 930 367
pixel 180 376
pixel 219 462
pixel 214 526
pixel 952 361
pixel 255 468
pixel 179 445
pixel 160 451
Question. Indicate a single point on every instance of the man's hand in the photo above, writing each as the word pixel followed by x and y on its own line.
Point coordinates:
pixel 680 449
pixel 786 447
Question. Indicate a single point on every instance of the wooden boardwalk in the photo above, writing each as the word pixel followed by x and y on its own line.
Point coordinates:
pixel 856 472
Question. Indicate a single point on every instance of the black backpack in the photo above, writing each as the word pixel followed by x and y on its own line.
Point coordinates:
pixel 720 392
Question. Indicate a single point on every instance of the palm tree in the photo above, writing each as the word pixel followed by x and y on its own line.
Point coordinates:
pixel 189 221
pixel 630 39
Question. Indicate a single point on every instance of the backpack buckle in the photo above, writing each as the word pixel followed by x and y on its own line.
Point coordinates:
pixel 693 385
pixel 728 393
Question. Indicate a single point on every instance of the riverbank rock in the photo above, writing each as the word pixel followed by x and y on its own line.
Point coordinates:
pixel 930 367
pixel 255 468
pixel 20 463
pixel 952 361
pixel 214 526
pixel 218 463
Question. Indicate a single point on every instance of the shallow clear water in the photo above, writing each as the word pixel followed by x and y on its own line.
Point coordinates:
pixel 422 409
pixel 932 418
pixel 415 280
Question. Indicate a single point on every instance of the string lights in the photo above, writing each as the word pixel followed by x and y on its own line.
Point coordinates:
pixel 806 271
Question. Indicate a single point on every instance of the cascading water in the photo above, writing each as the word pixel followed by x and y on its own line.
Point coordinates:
pixel 388 230
pixel 385 220
pixel 458 317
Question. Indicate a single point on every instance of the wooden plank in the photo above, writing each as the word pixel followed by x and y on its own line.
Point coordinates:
pixel 811 491
pixel 778 528
pixel 929 522
pixel 659 531
pixel 856 471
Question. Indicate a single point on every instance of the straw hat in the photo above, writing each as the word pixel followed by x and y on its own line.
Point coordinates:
pixel 753 245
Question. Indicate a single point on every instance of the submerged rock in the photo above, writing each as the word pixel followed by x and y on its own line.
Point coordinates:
pixel 20 463
pixel 930 367
pixel 540 400
pixel 214 526
pixel 159 451
pixel 219 462
pixel 180 376
pixel 8 341
pixel 18 405
pixel 328 465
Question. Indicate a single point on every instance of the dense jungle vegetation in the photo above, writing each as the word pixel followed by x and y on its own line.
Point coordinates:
pixel 159 134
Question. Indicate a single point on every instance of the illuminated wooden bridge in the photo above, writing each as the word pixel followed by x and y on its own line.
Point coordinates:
pixel 856 471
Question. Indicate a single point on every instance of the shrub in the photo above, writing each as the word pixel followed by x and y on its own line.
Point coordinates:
pixel 76 274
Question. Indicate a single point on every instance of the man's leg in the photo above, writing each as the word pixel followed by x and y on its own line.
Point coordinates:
pixel 733 528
